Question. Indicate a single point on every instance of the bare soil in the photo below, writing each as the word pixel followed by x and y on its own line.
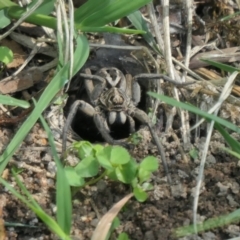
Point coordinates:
pixel 168 206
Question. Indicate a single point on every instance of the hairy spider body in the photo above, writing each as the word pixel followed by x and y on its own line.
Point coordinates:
pixel 114 99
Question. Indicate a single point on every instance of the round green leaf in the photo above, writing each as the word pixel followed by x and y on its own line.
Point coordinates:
pixel 123 236
pixel 112 175
pixel 127 172
pixel 4 20
pixel 149 163
pixel 88 167
pixel 85 149
pixel 119 155
pixel 103 158
pixel 139 194
pixel 147 186
pixel 97 148
pixel 6 55
pixel 143 175
pixel 73 178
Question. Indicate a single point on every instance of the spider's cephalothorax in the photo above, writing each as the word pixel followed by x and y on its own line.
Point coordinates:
pixel 116 103
pixel 114 99
pixel 114 77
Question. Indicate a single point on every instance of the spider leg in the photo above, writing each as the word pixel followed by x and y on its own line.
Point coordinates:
pixel 154 76
pixel 131 124
pixel 133 89
pixel 100 124
pixel 143 117
pixel 93 91
pixel 85 108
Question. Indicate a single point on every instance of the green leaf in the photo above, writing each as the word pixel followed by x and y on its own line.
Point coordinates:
pixel 6 55
pixel 235 154
pixel 110 11
pixel 119 155
pixel 109 29
pixel 45 8
pixel 7 100
pixel 73 178
pixel 233 143
pixel 85 149
pixel 123 236
pixel 89 8
pixel 97 148
pixel 6 3
pixel 193 153
pixel 127 172
pixel 195 110
pixel 143 175
pixel 209 224
pixel 88 167
pixel 147 186
pixel 221 66
pixel 81 53
pixel 104 157
pixel 150 164
pixel 112 175
pixel 16 12
pixel 140 194
pixel 140 23
pixel 4 20
pixel 114 225
pixel 48 220
pixel 63 195
pixel 134 182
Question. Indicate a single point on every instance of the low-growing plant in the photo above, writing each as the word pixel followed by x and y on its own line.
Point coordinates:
pixel 114 162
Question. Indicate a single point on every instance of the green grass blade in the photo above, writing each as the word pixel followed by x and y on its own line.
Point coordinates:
pixel 6 3
pixel 233 143
pixel 195 110
pixel 63 199
pixel 51 90
pixel 209 224
pixel 51 224
pixel 221 66
pixel 45 8
pixel 14 192
pixel 49 221
pixel 139 23
pixel 81 53
pixel 16 12
pixel 235 154
pixel 89 8
pixel 5 21
pixel 113 11
pixel 25 191
pixel 7 100
pixel 110 29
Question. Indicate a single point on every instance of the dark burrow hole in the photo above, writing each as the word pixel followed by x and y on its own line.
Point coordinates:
pixel 84 125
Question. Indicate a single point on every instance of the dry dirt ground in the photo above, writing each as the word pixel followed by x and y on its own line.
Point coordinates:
pixel 168 207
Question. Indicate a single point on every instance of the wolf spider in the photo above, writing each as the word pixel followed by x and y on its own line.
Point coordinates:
pixel 114 99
